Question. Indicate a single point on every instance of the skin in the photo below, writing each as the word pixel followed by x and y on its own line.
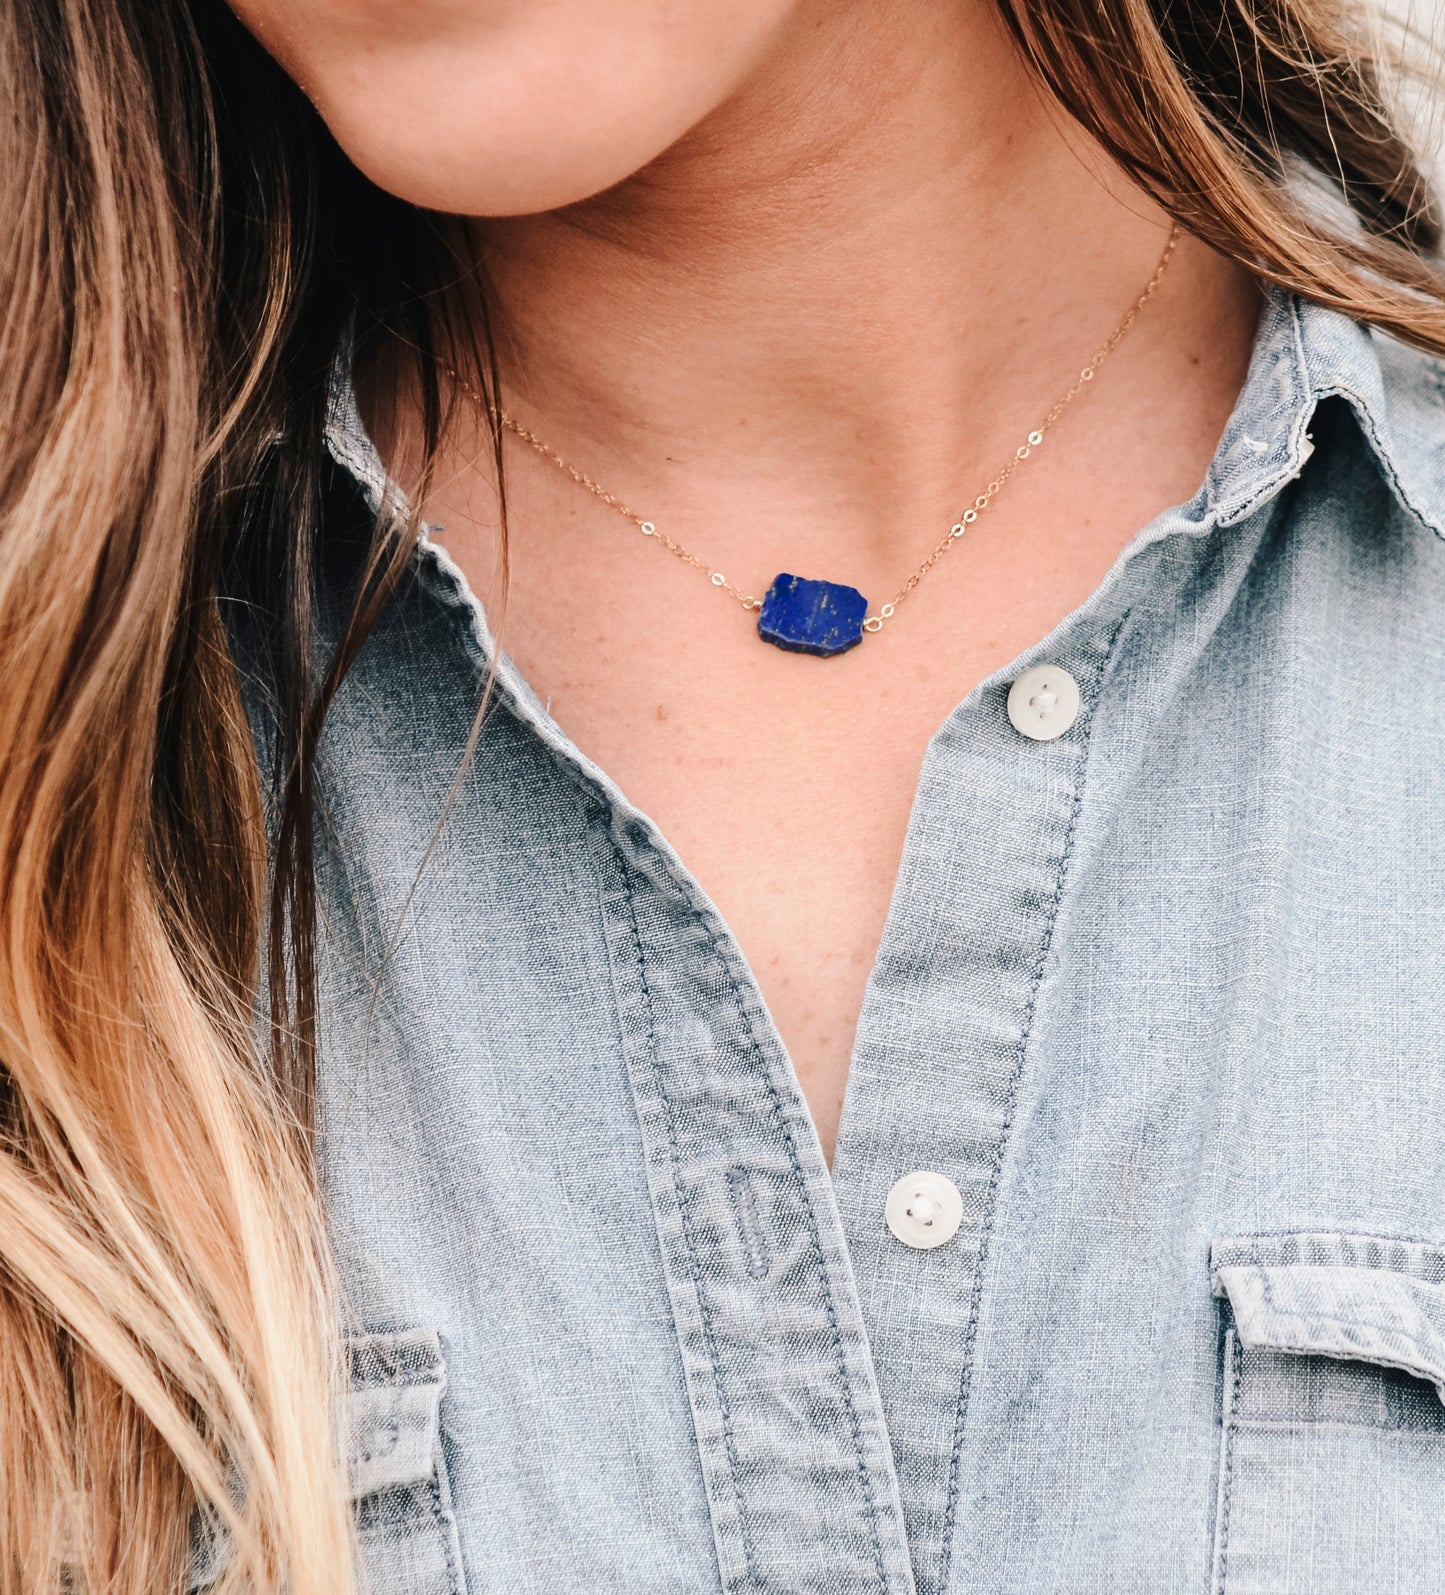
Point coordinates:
pixel 793 278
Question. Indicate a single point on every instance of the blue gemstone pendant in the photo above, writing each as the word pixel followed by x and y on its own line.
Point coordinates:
pixel 806 617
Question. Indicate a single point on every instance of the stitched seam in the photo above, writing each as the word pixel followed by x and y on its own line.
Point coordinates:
pixel 1250 1251
pixel 689 1240
pixel 1309 1425
pixel 1015 1084
pixel 815 1243
pixel 1227 1494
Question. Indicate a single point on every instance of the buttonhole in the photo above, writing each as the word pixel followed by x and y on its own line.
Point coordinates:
pixel 744 1203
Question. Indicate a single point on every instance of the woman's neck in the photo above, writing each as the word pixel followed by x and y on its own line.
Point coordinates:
pixel 868 269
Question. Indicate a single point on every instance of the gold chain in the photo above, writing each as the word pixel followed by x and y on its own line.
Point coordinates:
pixel 955 532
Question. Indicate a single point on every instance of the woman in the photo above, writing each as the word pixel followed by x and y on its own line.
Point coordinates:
pixel 406 410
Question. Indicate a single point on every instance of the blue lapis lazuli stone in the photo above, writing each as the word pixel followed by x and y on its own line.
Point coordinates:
pixel 806 617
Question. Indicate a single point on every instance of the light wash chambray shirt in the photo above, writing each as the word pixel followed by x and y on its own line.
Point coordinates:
pixel 1162 997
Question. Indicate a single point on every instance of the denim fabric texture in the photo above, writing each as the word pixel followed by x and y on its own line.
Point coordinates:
pixel 1162 997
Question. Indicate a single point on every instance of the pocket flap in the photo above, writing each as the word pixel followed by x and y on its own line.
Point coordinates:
pixel 393 1410
pixel 1359 1298
pixel 392 1422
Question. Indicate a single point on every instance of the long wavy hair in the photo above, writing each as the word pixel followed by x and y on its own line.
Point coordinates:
pixel 180 245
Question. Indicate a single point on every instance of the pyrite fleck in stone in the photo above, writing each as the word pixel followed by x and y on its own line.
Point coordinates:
pixel 808 617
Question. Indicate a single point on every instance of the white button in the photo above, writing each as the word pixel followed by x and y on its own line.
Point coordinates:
pixel 924 1209
pixel 1044 702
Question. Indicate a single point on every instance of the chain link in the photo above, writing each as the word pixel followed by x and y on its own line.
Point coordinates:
pixel 886 611
pixel 646 527
pixel 1031 442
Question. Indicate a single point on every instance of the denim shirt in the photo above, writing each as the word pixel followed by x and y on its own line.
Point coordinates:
pixel 1162 998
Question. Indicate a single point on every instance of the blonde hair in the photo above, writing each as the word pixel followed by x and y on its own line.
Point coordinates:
pixel 179 241
pixel 165 1335
pixel 1224 113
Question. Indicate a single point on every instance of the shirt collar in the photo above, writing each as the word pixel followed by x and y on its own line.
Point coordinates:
pixel 1305 353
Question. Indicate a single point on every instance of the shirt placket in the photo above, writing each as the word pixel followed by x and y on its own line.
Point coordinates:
pixel 943 1044
pixel 794 1449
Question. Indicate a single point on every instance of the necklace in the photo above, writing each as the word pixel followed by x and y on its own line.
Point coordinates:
pixel 824 617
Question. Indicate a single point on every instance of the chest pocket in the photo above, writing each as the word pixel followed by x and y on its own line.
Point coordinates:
pixel 1332 1466
pixel 401 1502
